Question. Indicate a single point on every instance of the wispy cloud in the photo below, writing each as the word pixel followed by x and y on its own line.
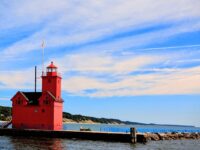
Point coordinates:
pixel 74 22
pixel 105 63
pixel 129 76
pixel 4 98
pixel 183 81
pixel 103 48
pixel 17 79
pixel 105 74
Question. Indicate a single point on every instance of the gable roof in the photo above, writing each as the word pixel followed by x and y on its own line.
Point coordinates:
pixel 32 97
pixel 49 93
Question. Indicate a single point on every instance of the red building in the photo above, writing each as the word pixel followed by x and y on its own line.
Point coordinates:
pixel 40 110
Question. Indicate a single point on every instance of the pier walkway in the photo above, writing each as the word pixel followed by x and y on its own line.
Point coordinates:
pixel 85 135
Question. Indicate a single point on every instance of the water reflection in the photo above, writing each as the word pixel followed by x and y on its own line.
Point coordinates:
pixel 33 143
pixel 24 143
pixel 39 143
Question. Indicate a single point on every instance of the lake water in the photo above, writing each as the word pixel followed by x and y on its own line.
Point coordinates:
pixel 126 128
pixel 33 143
pixel 24 143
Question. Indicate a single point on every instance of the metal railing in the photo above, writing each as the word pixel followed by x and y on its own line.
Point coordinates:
pixel 45 74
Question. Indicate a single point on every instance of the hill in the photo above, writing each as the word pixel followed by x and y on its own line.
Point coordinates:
pixel 5 113
pixel 85 119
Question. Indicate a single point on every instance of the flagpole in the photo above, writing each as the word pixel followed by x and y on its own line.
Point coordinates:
pixel 42 57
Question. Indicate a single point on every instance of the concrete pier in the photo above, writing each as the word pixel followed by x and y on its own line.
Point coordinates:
pixel 85 135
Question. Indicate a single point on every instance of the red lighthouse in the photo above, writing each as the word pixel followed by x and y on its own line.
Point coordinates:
pixel 40 110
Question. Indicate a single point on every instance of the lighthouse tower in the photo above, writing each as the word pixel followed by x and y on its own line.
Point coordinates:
pixel 51 85
pixel 51 81
pixel 40 110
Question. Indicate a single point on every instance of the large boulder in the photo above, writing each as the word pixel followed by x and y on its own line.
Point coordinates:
pixel 198 135
pixel 154 137
pixel 187 135
pixel 147 136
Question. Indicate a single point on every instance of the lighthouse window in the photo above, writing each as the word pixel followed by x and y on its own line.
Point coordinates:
pixel 49 80
pixel 19 102
pixel 43 110
pixel 49 70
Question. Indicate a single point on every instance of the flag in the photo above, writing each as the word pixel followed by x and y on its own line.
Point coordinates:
pixel 43 44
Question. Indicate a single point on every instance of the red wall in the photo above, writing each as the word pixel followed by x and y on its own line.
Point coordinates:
pixel 58 116
pixel 52 84
pixel 46 115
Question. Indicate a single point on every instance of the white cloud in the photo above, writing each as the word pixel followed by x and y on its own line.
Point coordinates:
pixel 107 75
pixel 116 80
pixel 4 98
pixel 75 22
pixel 18 80
pixel 20 13
pixel 33 42
pixel 182 81
pixel 66 23
pixel 105 63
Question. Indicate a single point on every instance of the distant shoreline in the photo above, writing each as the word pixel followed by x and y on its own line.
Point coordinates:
pixel 69 121
pixel 77 118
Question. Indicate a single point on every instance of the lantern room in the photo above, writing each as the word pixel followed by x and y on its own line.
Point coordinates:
pixel 51 70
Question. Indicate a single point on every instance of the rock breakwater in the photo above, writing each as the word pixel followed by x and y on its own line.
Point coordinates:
pixel 170 136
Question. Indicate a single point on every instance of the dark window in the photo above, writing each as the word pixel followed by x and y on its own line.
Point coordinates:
pixel 43 110
pixel 49 80
pixel 19 101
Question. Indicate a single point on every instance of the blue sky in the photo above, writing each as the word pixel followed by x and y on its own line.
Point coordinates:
pixel 131 60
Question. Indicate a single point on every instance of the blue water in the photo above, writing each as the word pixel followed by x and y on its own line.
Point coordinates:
pixel 126 128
